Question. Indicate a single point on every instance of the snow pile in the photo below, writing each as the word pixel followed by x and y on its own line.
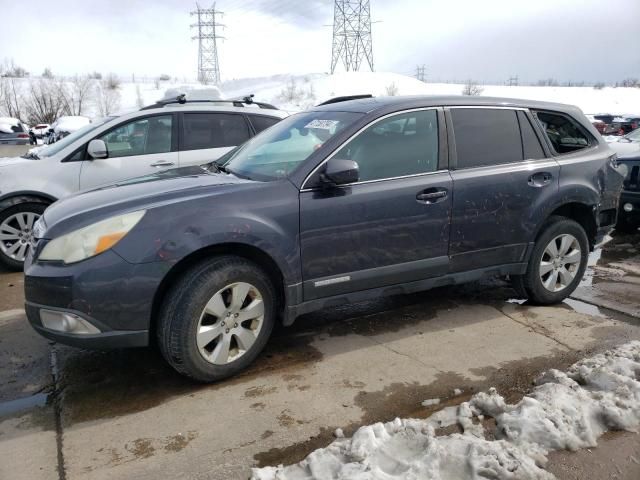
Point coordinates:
pixel 70 124
pixel 300 92
pixel 6 123
pixel 565 411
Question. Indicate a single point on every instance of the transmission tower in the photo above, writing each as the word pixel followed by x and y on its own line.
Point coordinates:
pixel 208 65
pixel 421 72
pixel 352 34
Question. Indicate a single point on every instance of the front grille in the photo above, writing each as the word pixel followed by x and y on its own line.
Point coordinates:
pixel 632 182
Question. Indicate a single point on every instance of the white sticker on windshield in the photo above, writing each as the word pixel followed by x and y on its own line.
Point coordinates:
pixel 323 124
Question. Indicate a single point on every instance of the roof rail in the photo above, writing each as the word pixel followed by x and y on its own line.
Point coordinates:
pixel 234 102
pixel 345 98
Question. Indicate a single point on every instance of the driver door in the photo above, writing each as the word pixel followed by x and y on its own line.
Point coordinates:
pixel 139 147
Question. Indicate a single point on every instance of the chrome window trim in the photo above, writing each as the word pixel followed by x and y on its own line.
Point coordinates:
pixel 335 152
pixel 486 107
pixel 380 180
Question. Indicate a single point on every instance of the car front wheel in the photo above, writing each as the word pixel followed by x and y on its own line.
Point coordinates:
pixel 16 233
pixel 217 318
pixel 557 264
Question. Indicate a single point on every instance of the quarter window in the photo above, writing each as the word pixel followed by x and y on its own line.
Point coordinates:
pixel 140 137
pixel 405 144
pixel 564 134
pixel 486 137
pixel 213 130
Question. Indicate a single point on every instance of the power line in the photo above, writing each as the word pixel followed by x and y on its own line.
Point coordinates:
pixel 351 34
pixel 208 64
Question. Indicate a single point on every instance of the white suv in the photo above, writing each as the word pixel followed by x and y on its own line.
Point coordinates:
pixel 165 135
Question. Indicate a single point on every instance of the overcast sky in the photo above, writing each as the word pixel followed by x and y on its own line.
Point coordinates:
pixel 487 40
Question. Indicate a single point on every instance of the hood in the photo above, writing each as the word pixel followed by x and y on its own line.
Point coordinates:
pixel 624 149
pixel 139 193
pixel 6 161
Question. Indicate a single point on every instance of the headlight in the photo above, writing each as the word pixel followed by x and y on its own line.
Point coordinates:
pixel 91 240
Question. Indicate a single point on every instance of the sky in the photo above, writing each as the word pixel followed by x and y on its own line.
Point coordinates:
pixel 485 40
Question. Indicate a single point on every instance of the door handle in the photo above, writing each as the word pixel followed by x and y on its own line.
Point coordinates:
pixel 431 196
pixel 162 163
pixel 541 179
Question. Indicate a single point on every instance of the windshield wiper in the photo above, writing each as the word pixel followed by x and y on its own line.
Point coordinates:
pixel 31 156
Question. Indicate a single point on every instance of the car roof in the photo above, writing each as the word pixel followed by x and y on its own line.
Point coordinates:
pixel 369 105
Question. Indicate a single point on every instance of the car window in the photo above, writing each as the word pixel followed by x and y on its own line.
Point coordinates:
pixel 564 134
pixel 634 136
pixel 530 142
pixel 213 130
pixel 405 144
pixel 260 122
pixel 140 137
pixel 486 136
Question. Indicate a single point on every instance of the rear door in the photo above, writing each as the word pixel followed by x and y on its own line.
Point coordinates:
pixel 500 176
pixel 138 147
pixel 206 136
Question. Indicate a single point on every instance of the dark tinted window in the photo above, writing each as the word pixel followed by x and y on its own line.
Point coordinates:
pixel 261 123
pixel 564 133
pixel 530 142
pixel 405 144
pixel 213 130
pixel 486 136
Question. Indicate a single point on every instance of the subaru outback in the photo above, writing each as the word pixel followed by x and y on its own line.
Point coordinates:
pixel 349 201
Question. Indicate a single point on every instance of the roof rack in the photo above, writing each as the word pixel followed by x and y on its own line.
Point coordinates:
pixel 345 98
pixel 235 102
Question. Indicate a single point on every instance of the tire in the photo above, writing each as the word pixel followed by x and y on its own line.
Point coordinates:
pixel 183 314
pixel 9 224
pixel 574 261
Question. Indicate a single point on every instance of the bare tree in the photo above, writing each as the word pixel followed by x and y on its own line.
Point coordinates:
pixel 107 98
pixel 291 93
pixel 47 73
pixel 112 82
pixel 471 88
pixel 392 89
pixel 45 101
pixel 599 86
pixel 11 98
pixel 12 70
pixel 77 93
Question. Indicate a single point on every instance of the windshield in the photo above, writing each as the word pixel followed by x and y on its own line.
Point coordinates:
pixel 54 148
pixel 276 152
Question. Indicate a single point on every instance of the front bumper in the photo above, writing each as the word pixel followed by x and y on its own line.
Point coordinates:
pixel 111 294
pixel 632 198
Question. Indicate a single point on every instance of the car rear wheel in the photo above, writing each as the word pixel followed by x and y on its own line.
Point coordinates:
pixel 217 318
pixel 557 264
pixel 16 233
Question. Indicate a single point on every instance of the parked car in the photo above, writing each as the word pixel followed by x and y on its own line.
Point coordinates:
pixel 349 201
pixel 13 132
pixel 162 136
pixel 629 212
pixel 614 125
pixel 38 132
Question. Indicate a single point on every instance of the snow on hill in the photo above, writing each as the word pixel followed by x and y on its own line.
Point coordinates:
pixel 300 92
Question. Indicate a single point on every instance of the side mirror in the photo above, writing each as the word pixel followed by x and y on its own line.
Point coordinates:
pixel 340 172
pixel 97 149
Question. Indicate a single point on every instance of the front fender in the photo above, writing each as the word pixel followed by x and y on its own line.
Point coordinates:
pixel 268 221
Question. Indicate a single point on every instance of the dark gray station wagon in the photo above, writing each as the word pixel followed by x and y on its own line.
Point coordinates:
pixel 348 201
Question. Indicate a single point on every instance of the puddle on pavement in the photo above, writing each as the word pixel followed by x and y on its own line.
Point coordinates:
pixel 512 379
pixel 21 405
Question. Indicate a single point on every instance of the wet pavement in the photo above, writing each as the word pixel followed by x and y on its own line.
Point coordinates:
pixel 72 414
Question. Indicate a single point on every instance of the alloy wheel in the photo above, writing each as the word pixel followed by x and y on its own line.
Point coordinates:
pixel 16 235
pixel 230 323
pixel 560 262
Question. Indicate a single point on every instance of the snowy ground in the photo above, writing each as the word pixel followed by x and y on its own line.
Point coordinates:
pixel 300 92
pixel 565 411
